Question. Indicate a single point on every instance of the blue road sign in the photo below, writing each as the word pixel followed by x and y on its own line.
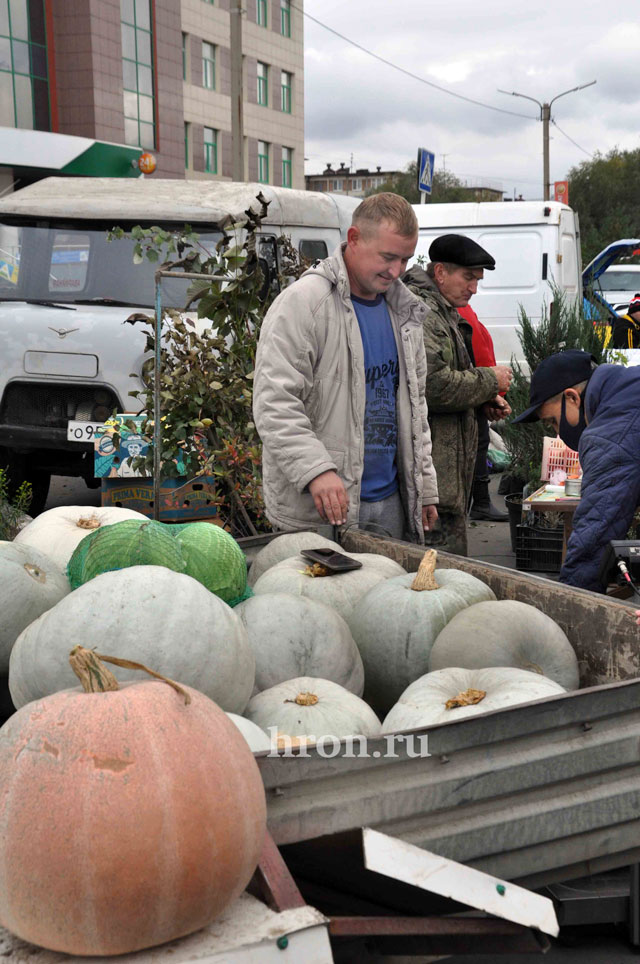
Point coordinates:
pixel 426 161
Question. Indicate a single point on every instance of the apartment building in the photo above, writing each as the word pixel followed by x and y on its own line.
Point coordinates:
pixel 108 79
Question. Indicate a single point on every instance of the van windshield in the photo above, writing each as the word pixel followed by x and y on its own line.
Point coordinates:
pixel 52 262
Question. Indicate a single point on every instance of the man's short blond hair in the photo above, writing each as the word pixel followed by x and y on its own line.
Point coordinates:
pixel 392 208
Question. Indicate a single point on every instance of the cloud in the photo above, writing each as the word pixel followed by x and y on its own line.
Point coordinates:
pixel 355 104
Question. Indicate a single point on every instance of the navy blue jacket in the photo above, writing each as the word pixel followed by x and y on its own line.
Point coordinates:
pixel 609 453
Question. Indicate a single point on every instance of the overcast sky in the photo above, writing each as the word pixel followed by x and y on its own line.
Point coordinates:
pixel 357 106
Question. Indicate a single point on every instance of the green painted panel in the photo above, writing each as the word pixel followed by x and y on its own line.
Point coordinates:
pixel 104 160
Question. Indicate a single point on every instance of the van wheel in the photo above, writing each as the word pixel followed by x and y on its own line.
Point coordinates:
pixel 19 469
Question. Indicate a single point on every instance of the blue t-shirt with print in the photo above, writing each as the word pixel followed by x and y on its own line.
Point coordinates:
pixel 380 476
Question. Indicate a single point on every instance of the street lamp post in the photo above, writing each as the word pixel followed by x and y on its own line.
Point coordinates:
pixel 545 117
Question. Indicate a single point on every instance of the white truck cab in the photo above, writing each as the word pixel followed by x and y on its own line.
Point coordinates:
pixel 533 243
pixel 65 292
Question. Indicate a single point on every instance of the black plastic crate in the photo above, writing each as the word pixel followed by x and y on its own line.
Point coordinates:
pixel 538 549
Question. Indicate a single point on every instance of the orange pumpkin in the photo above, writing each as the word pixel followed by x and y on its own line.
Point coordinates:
pixel 127 818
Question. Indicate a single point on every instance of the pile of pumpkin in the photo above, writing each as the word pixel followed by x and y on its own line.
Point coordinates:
pixel 285 652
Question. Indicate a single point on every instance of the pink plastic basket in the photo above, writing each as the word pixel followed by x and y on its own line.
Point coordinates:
pixel 557 455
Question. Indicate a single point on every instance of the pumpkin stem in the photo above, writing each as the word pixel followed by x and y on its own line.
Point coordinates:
pixel 316 569
pixel 425 578
pixel 96 678
pixel 94 675
pixel 93 522
pixel 466 698
pixel 304 699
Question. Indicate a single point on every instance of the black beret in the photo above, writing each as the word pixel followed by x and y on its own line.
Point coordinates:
pixel 457 249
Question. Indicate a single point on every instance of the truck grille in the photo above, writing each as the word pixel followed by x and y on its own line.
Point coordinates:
pixel 54 405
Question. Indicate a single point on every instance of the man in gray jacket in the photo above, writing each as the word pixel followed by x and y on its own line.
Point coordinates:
pixel 339 388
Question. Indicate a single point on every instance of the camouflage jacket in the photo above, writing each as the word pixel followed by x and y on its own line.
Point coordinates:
pixel 455 388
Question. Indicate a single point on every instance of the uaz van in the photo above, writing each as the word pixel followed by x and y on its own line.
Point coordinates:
pixel 65 292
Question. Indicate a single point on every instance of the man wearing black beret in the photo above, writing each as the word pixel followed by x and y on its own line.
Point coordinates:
pixel 455 387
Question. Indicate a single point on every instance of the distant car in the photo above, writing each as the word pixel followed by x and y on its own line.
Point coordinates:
pixel 600 301
pixel 619 284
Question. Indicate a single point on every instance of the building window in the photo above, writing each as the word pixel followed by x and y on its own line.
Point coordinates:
pixel 210 150
pixel 263 84
pixel 184 56
pixel 137 73
pixel 287 157
pixel 261 13
pixel 24 84
pixel 285 18
pixel 285 92
pixel 263 162
pixel 208 66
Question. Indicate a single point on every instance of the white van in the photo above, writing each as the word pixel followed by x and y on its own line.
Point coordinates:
pixel 65 293
pixel 533 242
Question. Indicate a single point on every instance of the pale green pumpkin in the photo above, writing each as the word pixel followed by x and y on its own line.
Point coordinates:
pixel 58 531
pixel 340 591
pixel 30 584
pixel 312 708
pixel 424 703
pixel 296 636
pixel 397 622
pixel 284 547
pixel 507 632
pixel 150 614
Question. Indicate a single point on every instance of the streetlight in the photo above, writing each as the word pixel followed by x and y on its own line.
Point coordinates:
pixel 545 117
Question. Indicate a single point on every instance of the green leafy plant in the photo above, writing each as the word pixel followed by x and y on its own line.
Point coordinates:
pixel 605 191
pixel 12 508
pixel 562 325
pixel 206 373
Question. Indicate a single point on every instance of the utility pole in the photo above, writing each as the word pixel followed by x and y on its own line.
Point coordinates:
pixel 237 118
pixel 545 117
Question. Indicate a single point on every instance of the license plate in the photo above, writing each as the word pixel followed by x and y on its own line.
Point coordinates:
pixel 82 431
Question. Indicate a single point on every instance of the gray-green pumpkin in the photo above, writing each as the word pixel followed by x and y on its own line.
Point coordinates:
pixel 295 636
pixel 283 547
pixel 150 614
pixel 396 624
pixel 30 584
pixel 507 632
pixel 340 591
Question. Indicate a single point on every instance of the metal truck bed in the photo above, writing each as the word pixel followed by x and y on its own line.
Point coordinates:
pixel 539 792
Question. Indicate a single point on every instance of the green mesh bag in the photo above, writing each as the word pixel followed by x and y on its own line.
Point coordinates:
pixel 124 544
pixel 215 559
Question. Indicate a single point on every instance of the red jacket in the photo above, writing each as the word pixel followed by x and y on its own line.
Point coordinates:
pixel 480 339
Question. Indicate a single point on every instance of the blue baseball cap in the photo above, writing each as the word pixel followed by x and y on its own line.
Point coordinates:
pixel 553 375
